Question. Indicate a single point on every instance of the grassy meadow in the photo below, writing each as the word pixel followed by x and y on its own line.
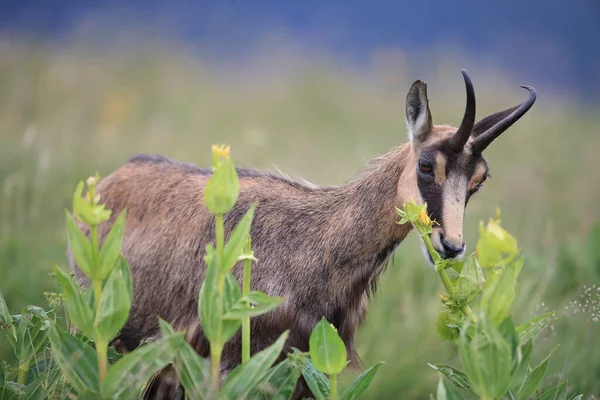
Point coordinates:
pixel 69 110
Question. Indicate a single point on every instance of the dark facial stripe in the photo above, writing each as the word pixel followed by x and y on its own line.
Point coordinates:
pixel 432 195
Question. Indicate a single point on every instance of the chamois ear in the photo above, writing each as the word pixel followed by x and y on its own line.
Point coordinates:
pixel 418 116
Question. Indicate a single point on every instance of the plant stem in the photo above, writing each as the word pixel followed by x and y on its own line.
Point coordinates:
pixel 23 372
pixel 245 291
pixel 102 351
pixel 216 348
pixel 101 343
pixel 95 243
pixel 443 275
pixel 219 231
pixel 215 364
pixel 333 387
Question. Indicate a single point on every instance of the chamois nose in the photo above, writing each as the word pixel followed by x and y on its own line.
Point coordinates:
pixel 451 250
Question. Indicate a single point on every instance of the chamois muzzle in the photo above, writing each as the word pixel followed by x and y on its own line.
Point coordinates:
pixel 460 138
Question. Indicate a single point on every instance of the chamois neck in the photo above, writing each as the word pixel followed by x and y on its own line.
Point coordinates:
pixel 363 219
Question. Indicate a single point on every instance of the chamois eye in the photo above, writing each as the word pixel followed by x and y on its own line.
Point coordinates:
pixel 425 167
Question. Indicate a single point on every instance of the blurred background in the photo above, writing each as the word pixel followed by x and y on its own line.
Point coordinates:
pixel 316 89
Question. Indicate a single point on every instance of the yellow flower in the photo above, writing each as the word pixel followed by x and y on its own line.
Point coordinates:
pixel 221 151
pixel 424 218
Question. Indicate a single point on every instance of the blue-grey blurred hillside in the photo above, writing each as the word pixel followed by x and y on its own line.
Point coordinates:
pixel 544 42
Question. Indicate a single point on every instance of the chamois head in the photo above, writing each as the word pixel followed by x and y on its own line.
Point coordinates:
pixel 446 166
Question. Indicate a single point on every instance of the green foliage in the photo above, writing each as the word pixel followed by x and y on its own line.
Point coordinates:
pixel 246 376
pixel 260 303
pixel 77 360
pixel 327 350
pixel 361 383
pixel 279 383
pixel 495 355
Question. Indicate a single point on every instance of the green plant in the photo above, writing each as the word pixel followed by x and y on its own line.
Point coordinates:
pixel 496 355
pixel 95 315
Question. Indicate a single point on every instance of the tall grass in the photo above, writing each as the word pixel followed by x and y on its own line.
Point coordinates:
pixel 67 111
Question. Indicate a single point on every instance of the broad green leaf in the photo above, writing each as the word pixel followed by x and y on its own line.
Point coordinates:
pixel 455 320
pixel 81 208
pixel 447 392
pixel 260 303
pixel 535 377
pixel 531 329
pixel 495 246
pixel 245 376
pixel 458 378
pixel 470 281
pixel 208 298
pixel 516 265
pixel 446 332
pixel 126 378
pixel 112 354
pixel 327 350
pixel 77 360
pixel 111 248
pixel 79 311
pixel 532 381
pixel 360 383
pixel 6 322
pixel 212 305
pixel 80 246
pixel 231 295
pixel 508 332
pixel 115 302
pixel 315 379
pixel 237 240
pixel 222 189
pixel 85 211
pixel 558 392
pixel 279 382
pixel 486 359
pixel 520 372
pixel 192 370
pixel 498 298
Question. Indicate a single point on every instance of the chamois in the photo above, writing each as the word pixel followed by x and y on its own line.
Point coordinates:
pixel 321 248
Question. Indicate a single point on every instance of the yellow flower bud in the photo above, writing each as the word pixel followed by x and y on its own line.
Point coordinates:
pixel 424 218
pixel 221 151
pixel 92 180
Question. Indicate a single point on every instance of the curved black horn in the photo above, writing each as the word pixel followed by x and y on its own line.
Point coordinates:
pixel 489 128
pixel 457 142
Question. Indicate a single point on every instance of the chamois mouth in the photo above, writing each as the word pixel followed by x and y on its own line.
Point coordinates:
pixel 441 251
